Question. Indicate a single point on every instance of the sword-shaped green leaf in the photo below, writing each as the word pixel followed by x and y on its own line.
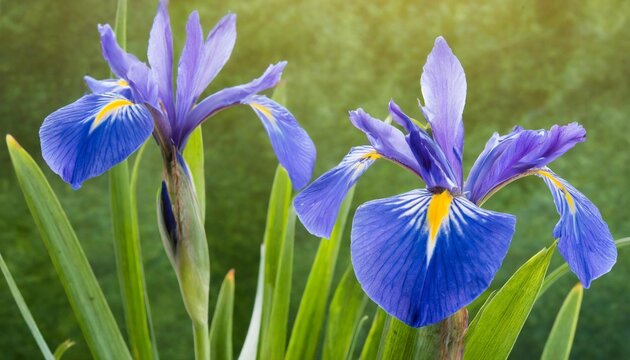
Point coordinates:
pixel 311 313
pixel 373 339
pixel 193 154
pixel 250 345
pixel 85 295
pixel 344 316
pixel 499 323
pixel 221 328
pixel 560 340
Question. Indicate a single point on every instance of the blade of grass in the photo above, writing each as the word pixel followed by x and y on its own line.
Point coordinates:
pixel 85 295
pixel 62 348
pixel 26 313
pixel 221 328
pixel 498 325
pixel 373 339
pixel 344 315
pixel 250 346
pixel 311 313
pixel 560 340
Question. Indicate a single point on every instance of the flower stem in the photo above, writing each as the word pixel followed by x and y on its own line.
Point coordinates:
pixel 202 341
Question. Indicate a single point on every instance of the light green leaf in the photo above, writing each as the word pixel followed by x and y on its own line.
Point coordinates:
pixel 560 340
pixel 86 297
pixel 373 339
pixel 26 313
pixel 275 345
pixel 355 336
pixel 311 313
pixel 275 234
pixel 398 341
pixel 250 346
pixel 193 154
pixel 62 348
pixel 344 316
pixel 502 319
pixel 221 328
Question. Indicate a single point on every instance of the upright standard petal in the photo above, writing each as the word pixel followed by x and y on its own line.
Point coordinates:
pixel 508 156
pixel 422 256
pixel 386 139
pixel 585 241
pixel 160 55
pixel 434 168
pixel 188 66
pixel 118 59
pixel 86 138
pixel 317 205
pixel 228 97
pixel 293 147
pixel 444 91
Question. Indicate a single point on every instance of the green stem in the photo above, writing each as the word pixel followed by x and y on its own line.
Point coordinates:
pixel 202 341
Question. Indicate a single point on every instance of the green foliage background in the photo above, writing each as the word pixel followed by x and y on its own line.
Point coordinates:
pixel 532 63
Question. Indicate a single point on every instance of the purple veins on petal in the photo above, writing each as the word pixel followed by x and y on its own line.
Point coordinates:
pixel 422 256
pixel 444 91
pixel 318 204
pixel 160 56
pixel 511 155
pixel 88 137
pixel 293 147
pixel 585 241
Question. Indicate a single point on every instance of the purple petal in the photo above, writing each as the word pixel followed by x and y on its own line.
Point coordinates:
pixel 386 139
pixel 228 97
pixel 508 156
pixel 188 65
pixel 585 241
pixel 444 91
pixel 434 168
pixel 108 85
pixel 293 147
pixel 422 256
pixel 160 55
pixel 86 138
pixel 119 60
pixel 317 205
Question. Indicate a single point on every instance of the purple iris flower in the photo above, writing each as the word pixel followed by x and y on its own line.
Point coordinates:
pixel 427 253
pixel 86 138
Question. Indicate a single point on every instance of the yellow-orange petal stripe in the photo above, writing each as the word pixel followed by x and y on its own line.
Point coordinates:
pixel 438 211
pixel 264 110
pixel 108 109
pixel 560 186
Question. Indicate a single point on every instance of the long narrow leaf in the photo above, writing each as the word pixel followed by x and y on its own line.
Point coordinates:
pixel 275 234
pixel 560 340
pixel 373 339
pixel 26 313
pixel 344 316
pixel 310 317
pixel 86 297
pixel 502 319
pixel 193 154
pixel 250 346
pixel 398 342
pixel 62 348
pixel 221 328
pixel 275 345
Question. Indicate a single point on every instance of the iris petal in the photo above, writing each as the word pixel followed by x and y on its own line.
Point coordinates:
pixel 229 97
pixel 317 205
pixel 434 168
pixel 511 155
pixel 293 147
pixel 118 59
pixel 160 56
pixel 422 256
pixel 86 138
pixel 444 91
pixel 386 139
pixel 107 85
pixel 585 241
pixel 188 66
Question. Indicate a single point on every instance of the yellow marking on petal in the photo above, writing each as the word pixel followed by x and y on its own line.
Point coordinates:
pixel 108 109
pixel 438 211
pixel 264 110
pixel 122 82
pixel 372 155
pixel 560 186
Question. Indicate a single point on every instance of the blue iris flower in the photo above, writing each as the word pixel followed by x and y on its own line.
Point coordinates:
pixel 427 253
pixel 86 138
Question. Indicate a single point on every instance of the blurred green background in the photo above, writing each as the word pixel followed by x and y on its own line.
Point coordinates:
pixel 532 63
